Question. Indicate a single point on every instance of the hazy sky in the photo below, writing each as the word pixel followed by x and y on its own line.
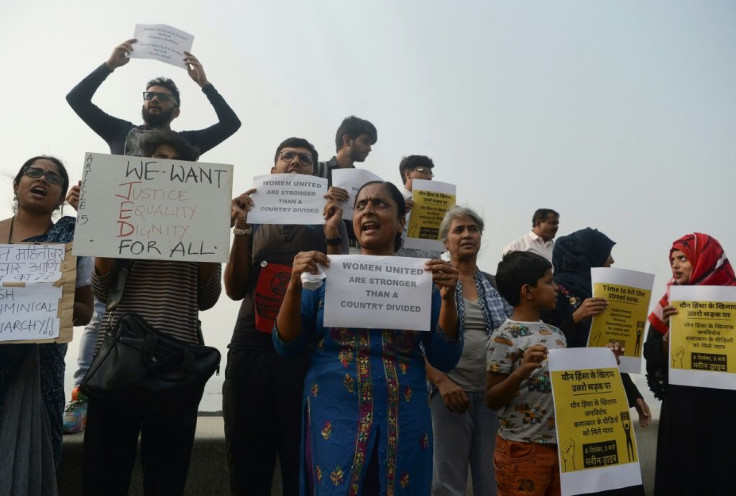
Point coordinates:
pixel 621 115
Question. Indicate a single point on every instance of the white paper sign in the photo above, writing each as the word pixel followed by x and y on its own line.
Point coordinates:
pixel 628 293
pixel 593 422
pixel 155 209
pixel 30 291
pixel 161 42
pixel 371 292
pixel 431 200
pixel 351 180
pixel 702 343
pixel 288 199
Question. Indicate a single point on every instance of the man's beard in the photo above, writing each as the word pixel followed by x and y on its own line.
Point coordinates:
pixel 163 118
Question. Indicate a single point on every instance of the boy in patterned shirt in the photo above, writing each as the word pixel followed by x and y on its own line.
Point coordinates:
pixel 518 382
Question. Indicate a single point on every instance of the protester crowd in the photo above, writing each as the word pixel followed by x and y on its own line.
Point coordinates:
pixel 346 410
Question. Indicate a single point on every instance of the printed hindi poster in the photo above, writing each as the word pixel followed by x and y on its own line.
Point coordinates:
pixel 702 345
pixel 595 433
pixel 628 293
pixel 431 200
pixel 371 292
pixel 155 209
pixel 37 283
pixel 288 199
pixel 161 42
pixel 351 180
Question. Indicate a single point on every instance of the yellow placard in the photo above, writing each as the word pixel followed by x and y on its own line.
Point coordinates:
pixel 427 213
pixel 594 426
pixel 702 336
pixel 624 318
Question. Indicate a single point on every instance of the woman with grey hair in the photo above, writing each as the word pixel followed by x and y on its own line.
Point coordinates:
pixel 464 428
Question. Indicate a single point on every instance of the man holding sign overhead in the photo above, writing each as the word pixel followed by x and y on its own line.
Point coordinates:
pixel 367 426
pixel 161 105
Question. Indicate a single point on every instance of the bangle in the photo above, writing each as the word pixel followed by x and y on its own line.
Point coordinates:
pixel 333 241
pixel 242 232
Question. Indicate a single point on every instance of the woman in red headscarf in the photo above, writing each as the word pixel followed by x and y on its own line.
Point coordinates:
pixel 695 443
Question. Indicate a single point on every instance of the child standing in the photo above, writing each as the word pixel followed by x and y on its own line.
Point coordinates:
pixel 518 382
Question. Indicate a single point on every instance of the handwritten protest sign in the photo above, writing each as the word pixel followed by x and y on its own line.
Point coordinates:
pixel 628 293
pixel 378 293
pixel 36 292
pixel 351 180
pixel 156 209
pixel 595 435
pixel 161 42
pixel 288 199
pixel 702 345
pixel 431 201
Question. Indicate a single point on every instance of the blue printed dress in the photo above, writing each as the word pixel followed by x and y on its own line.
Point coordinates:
pixel 365 391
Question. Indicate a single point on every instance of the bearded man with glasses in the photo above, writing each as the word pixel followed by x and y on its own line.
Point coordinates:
pixel 161 105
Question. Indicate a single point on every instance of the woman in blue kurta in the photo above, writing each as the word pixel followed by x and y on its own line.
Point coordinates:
pixel 367 427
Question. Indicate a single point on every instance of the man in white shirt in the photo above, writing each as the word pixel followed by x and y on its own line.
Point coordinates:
pixel 541 239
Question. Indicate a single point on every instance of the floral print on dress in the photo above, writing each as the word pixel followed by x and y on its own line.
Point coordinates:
pixel 407 394
pixel 404 480
pixel 327 430
pixel 337 476
pixel 315 389
pixel 349 383
pixel 425 440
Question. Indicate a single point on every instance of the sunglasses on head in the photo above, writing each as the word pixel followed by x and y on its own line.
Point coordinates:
pixel 51 176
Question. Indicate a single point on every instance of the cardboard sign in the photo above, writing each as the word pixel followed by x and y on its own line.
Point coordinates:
pixel 155 209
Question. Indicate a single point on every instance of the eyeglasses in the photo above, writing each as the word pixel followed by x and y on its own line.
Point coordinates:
pixel 162 97
pixel 424 170
pixel 51 176
pixel 304 158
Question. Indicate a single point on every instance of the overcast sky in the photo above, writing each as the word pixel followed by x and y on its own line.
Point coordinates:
pixel 621 115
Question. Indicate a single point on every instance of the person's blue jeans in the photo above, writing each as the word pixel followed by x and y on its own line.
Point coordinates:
pixel 87 343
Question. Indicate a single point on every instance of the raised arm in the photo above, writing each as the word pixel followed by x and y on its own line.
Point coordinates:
pixel 206 139
pixel 80 97
pixel 237 270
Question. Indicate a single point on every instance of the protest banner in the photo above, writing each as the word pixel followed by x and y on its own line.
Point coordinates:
pixel 155 209
pixel 288 199
pixel 431 200
pixel 595 435
pixel 628 293
pixel 37 283
pixel 371 292
pixel 351 180
pixel 702 347
pixel 161 42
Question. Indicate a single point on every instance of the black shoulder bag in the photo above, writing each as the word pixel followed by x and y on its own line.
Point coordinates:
pixel 145 371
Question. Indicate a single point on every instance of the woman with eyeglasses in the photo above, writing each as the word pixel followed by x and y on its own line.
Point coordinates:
pixel 696 436
pixel 366 420
pixel 32 375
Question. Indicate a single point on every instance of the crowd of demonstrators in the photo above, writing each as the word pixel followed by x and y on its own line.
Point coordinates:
pixel 695 452
pixel 32 375
pixel 262 394
pixel 346 410
pixel 373 434
pixel 464 429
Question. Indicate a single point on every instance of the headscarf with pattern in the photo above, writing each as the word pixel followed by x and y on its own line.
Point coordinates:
pixel 710 268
